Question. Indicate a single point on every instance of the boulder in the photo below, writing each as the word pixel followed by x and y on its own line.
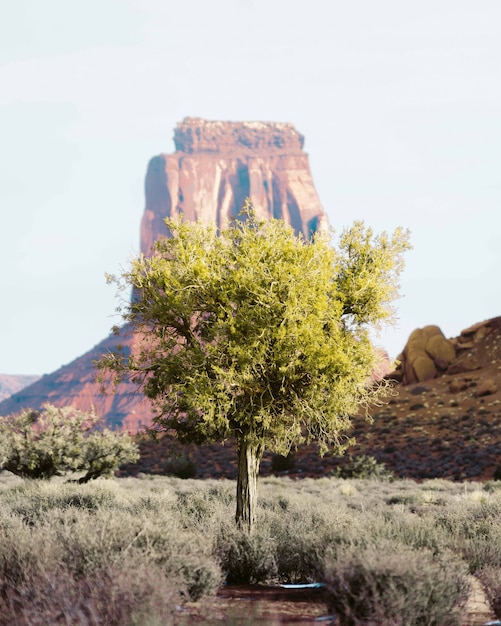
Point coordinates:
pixel 441 350
pixel 466 363
pixel 424 368
pixel 426 353
pixel 486 388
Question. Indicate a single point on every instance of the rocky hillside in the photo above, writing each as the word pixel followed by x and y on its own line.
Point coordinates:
pixel 75 384
pixel 443 421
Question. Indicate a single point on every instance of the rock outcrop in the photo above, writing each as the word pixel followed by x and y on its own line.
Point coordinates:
pixel 426 354
pixel 75 384
pixel 217 165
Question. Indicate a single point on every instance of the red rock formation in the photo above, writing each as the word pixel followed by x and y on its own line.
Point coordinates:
pixel 215 167
pixel 428 354
pixel 75 384
pixel 218 164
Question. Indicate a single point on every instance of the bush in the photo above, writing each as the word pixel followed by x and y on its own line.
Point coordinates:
pixel 490 577
pixel 391 584
pixel 110 596
pixel 180 466
pixel 246 559
pixel 58 441
pixel 364 466
pixel 281 463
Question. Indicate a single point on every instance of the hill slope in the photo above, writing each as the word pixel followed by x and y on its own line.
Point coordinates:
pixel 448 426
pixel 11 383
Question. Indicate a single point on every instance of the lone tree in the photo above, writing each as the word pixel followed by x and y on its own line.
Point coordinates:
pixel 258 334
pixel 58 441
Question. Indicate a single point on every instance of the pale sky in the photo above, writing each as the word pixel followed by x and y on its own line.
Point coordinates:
pixel 399 103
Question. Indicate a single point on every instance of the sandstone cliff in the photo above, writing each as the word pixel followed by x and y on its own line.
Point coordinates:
pixel 217 165
pixel 75 384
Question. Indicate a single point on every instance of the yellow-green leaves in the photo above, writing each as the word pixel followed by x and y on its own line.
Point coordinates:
pixel 368 275
pixel 254 331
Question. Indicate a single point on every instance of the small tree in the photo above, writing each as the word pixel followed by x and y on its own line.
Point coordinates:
pixel 57 441
pixel 257 334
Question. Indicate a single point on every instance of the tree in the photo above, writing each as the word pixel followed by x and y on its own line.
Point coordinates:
pixel 57 441
pixel 257 334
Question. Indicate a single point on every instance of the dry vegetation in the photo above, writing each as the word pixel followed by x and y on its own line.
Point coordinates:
pixel 156 550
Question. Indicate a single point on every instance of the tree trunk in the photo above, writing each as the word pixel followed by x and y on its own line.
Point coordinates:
pixel 249 458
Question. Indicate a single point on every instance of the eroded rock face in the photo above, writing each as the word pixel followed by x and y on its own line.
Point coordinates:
pixel 217 165
pixel 75 384
pixel 426 354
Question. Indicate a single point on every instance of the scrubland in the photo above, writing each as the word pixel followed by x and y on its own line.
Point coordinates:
pixel 150 551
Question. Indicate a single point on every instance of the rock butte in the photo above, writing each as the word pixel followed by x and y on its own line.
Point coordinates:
pixel 216 165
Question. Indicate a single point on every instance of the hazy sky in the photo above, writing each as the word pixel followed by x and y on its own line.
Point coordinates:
pixel 399 103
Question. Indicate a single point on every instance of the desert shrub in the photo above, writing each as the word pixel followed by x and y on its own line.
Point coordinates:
pixel 481 552
pixel 492 486
pixel 179 465
pixel 490 577
pixel 403 527
pixel 88 539
pixel 197 507
pixel 179 531
pixel 364 466
pixel 303 536
pixel 281 463
pixel 392 584
pixel 471 525
pixel 182 555
pixel 31 500
pixel 116 597
pixel 246 558
pixel 59 441
pixel 24 551
pixel 297 555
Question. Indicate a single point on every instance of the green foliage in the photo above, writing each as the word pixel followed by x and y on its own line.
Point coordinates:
pixel 283 463
pixel 245 558
pixel 58 441
pixel 179 465
pixel 364 466
pixel 256 333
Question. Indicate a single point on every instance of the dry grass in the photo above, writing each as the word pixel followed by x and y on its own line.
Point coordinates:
pixel 136 551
